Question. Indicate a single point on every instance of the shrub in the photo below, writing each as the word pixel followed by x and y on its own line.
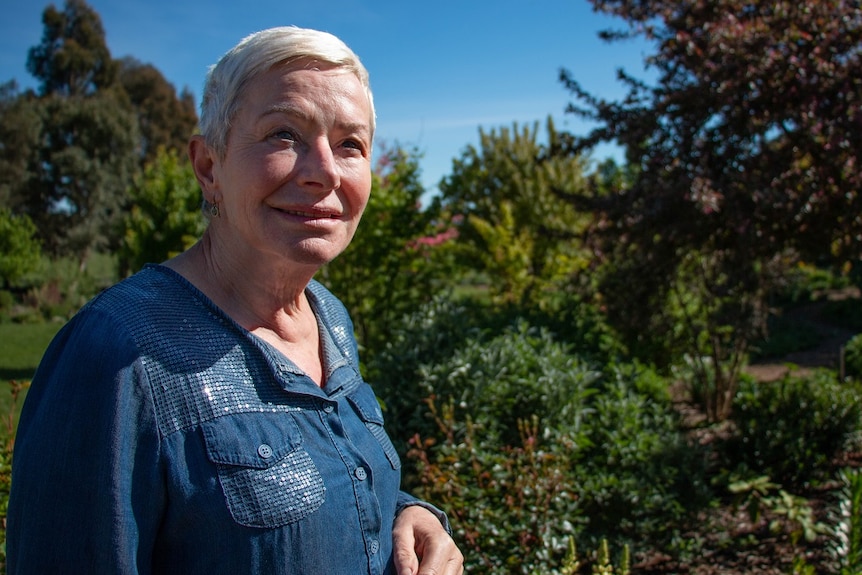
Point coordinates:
pixel 638 474
pixel 19 248
pixel 59 287
pixel 806 282
pixel 791 429
pixel 8 424
pixel 428 336
pixel 526 446
pixel 846 544
pixel 853 357
pixel 516 375
pixel 785 336
pixel 512 508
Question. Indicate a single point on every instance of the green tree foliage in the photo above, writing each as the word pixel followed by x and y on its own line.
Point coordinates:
pixel 165 218
pixel 746 155
pixel 19 249
pixel 163 119
pixel 72 59
pixel 516 230
pixel 398 257
pixel 78 144
pixel 508 254
pixel 70 153
pixel 20 126
pixel 78 178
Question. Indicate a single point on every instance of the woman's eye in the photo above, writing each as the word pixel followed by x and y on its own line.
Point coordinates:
pixel 285 135
pixel 353 144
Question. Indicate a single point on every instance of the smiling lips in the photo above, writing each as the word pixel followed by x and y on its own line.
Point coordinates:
pixel 315 215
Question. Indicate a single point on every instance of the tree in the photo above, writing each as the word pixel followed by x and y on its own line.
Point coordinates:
pixel 165 216
pixel 745 152
pixel 77 180
pixel 515 229
pixel 164 119
pixel 20 127
pixel 73 150
pixel 72 59
pixel 397 259
pixel 69 154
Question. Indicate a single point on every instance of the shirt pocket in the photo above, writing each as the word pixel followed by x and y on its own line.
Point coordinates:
pixel 366 405
pixel 267 477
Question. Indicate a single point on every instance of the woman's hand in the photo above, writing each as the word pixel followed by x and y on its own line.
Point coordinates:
pixel 422 546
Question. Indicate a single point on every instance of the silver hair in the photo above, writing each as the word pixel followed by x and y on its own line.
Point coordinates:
pixel 258 53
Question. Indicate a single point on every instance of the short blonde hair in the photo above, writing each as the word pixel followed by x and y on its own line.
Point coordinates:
pixel 258 53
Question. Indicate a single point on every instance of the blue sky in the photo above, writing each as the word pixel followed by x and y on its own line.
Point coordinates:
pixel 439 70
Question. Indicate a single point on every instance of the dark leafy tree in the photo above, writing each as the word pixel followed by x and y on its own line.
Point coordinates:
pixel 746 149
pixel 73 150
pixel 70 154
pixel 165 120
pixel 73 58
pixel 20 126
pixel 87 159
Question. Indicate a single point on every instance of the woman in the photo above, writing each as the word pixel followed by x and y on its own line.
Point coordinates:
pixel 207 415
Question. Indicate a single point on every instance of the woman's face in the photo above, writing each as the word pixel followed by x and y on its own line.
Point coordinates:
pixel 297 173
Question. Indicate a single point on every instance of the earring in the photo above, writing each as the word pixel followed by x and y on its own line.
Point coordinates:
pixel 214 211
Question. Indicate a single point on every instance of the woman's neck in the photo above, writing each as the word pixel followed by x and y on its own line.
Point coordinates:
pixel 253 294
pixel 269 303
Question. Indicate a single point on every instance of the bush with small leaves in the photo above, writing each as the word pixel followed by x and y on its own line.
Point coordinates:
pixel 790 430
pixel 639 475
pixel 526 445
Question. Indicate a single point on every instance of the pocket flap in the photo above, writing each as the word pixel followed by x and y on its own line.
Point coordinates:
pixel 366 405
pixel 256 440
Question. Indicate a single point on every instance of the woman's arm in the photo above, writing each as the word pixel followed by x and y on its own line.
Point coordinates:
pixel 86 488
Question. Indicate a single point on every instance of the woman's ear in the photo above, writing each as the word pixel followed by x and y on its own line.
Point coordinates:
pixel 203 163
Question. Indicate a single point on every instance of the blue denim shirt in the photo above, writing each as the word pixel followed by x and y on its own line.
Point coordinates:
pixel 158 436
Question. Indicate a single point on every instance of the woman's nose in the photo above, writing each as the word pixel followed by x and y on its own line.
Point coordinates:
pixel 320 168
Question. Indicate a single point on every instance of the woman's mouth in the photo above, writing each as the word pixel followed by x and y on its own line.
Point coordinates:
pixel 303 214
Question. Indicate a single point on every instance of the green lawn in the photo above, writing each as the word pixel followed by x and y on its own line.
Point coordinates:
pixel 21 348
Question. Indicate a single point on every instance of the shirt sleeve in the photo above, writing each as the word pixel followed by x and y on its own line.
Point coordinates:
pixel 406 500
pixel 87 491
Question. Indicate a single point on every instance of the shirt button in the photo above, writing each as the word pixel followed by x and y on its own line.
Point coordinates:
pixel 360 473
pixel 328 408
pixel 264 450
pixel 374 547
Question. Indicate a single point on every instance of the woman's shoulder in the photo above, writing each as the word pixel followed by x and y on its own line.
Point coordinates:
pixel 155 307
pixel 147 288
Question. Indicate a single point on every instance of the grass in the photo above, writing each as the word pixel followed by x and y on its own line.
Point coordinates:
pixel 20 352
pixel 23 346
